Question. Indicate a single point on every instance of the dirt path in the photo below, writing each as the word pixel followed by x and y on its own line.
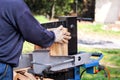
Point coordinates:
pixel 98 41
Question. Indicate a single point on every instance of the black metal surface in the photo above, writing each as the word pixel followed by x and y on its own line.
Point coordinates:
pixel 61 75
pixel 85 19
pixel 54 24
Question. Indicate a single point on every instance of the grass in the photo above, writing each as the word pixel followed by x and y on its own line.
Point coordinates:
pixel 96 29
pixel 100 76
pixel 111 56
pixel 110 60
pixel 41 19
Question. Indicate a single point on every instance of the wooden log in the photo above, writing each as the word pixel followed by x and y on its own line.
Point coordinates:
pixel 47 79
pixel 58 49
pixel 36 47
pixel 20 77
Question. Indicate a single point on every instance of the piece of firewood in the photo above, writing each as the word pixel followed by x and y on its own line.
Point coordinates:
pixel 58 49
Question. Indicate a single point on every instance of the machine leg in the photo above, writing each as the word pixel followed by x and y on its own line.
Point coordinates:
pixel 77 73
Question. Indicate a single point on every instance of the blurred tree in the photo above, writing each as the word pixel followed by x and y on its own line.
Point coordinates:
pixel 54 8
pixel 50 8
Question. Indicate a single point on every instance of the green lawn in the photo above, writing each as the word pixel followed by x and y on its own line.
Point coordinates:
pixel 96 28
pixel 111 56
pixel 110 60
pixel 41 19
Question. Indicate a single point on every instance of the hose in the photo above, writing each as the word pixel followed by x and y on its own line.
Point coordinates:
pixel 100 67
pixel 107 73
pixel 82 73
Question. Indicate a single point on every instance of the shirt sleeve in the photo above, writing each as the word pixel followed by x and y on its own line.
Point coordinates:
pixel 32 31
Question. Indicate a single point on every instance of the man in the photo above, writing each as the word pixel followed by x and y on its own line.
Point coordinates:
pixel 17 25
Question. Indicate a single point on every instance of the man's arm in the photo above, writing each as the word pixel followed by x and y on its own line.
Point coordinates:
pixel 33 32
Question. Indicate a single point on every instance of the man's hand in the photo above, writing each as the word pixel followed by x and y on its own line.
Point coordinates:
pixel 61 34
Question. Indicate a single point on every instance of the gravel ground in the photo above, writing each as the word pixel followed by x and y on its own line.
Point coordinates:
pixel 97 41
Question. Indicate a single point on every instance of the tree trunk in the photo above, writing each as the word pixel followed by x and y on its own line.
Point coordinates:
pixel 52 11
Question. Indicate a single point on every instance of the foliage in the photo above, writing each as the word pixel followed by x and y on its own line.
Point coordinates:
pixel 54 8
pixel 62 8
pixel 45 7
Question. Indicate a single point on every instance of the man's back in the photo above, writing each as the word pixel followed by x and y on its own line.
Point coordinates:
pixel 16 25
pixel 10 41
